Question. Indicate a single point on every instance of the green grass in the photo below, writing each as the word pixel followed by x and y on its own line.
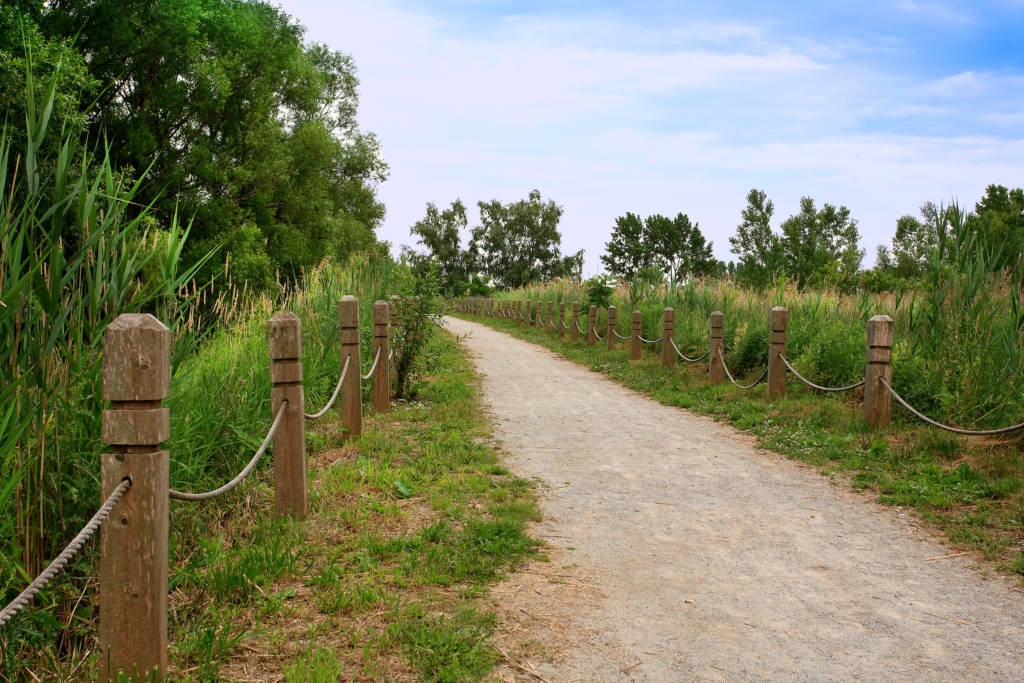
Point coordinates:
pixel 388 576
pixel 970 489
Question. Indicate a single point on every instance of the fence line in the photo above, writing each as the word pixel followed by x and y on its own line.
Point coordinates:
pixel 136 379
pixel 878 373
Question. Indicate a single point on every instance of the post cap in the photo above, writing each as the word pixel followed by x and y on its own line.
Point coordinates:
pixel 284 331
pixel 136 359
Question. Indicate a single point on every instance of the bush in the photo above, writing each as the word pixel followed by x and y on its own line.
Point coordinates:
pixel 836 355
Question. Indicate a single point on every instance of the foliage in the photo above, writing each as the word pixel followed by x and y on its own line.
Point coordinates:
pixel 599 291
pixel 999 224
pixel 439 232
pixel 629 249
pixel 758 248
pixel 820 246
pixel 913 245
pixel 418 293
pixel 673 245
pixel 518 243
pixel 230 117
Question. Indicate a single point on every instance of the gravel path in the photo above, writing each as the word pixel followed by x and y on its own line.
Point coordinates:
pixel 718 561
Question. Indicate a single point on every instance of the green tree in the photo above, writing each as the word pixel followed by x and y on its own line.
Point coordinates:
pixel 820 245
pixel 999 224
pixel 518 243
pixel 629 249
pixel 439 232
pixel 758 248
pixel 238 122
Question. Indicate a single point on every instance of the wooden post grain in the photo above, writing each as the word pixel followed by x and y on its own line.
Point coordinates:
pixel 133 545
pixel 592 325
pixel 668 332
pixel 561 319
pixel 778 322
pixel 351 388
pixel 876 397
pixel 634 341
pixel 573 329
pixel 611 327
pixel 284 332
pixel 381 340
pixel 716 366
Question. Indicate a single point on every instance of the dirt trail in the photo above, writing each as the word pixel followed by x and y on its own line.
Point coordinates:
pixel 714 560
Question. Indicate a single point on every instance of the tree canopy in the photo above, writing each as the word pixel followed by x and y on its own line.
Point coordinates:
pixel 439 232
pixel 676 246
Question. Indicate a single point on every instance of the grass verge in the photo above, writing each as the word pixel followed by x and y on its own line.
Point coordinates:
pixel 385 580
pixel 969 488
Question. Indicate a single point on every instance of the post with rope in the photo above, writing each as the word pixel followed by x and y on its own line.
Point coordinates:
pixel 351 389
pixel 668 333
pixel 561 319
pixel 539 315
pixel 592 325
pixel 876 397
pixel 381 350
pixel 134 545
pixel 285 339
pixel 574 329
pixel 611 328
pixel 638 328
pixel 778 321
pixel 716 364
pixel 551 317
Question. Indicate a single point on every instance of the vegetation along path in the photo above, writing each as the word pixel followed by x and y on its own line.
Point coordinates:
pixel 717 560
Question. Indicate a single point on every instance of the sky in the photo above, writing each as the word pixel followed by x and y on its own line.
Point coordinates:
pixel 668 107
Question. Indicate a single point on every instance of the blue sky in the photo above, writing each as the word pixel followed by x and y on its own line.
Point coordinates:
pixel 664 107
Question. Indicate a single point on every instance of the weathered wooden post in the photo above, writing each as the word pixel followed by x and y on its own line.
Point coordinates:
pixel 561 319
pixel 351 388
pixel 592 325
pixel 519 312
pixel 716 365
pixel 668 333
pixel 133 545
pixel 551 317
pixel 876 397
pixel 638 328
pixel 574 329
pixel 778 321
pixel 539 316
pixel 284 332
pixel 393 322
pixel 611 328
pixel 382 373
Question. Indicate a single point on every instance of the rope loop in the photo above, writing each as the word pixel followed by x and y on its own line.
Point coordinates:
pixel 373 367
pixel 733 380
pixel 955 430
pixel 818 386
pixel 334 396
pixel 687 358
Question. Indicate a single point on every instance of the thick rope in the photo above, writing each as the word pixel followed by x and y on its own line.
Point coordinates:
pixel 620 336
pixel 650 341
pixel 733 380
pixel 598 335
pixel 334 396
pixel 530 318
pixel 565 324
pixel 195 497
pixel 65 556
pixel 818 386
pixel 391 354
pixel 687 358
pixel 578 327
pixel 955 430
pixel 373 367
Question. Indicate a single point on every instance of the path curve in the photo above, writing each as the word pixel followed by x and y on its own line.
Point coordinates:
pixel 720 561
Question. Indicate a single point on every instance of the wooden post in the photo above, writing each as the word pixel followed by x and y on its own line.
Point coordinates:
pixel 668 333
pixel 551 317
pixel 284 332
pixel 611 328
pixel 351 388
pixel 519 312
pixel 393 323
pixel 539 315
pixel 133 545
pixel 573 331
pixel 592 325
pixel 561 319
pixel 778 321
pixel 638 328
pixel 716 366
pixel 876 397
pixel 382 374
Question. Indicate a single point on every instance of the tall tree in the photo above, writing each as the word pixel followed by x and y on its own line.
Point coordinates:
pixel 518 243
pixel 680 248
pixel 758 248
pixel 629 249
pixel 914 243
pixel 239 123
pixel 439 232
pixel 999 223
pixel 820 244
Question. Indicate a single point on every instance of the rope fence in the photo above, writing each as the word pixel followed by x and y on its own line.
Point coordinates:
pixel 877 387
pixel 133 565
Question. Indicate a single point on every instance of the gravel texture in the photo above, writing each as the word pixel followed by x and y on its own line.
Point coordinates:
pixel 715 560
